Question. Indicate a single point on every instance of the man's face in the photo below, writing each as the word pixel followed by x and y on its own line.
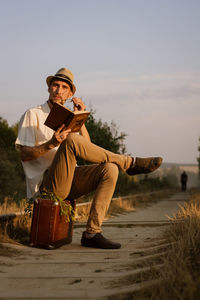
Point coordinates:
pixel 59 91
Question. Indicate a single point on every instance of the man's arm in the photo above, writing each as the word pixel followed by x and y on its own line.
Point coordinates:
pixel 30 153
pixel 85 133
pixel 79 105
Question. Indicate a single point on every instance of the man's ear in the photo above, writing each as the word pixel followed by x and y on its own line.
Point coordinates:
pixel 71 94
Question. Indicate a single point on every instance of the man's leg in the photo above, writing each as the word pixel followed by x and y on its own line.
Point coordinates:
pixel 100 178
pixel 58 178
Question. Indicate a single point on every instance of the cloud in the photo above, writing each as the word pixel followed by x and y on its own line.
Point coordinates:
pixel 168 87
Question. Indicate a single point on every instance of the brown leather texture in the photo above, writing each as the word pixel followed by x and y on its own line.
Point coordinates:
pixel 49 229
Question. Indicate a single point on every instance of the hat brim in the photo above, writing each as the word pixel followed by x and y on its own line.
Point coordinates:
pixel 50 78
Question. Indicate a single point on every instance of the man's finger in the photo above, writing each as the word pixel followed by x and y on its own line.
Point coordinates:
pixel 66 131
pixel 60 128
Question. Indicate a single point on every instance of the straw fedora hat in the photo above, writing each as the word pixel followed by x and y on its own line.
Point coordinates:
pixel 65 75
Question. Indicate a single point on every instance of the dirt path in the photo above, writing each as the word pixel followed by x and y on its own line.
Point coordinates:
pixel 75 272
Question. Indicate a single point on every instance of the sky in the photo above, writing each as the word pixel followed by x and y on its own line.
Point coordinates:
pixel 135 62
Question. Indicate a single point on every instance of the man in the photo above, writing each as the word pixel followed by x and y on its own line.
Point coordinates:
pixel 184 179
pixel 49 159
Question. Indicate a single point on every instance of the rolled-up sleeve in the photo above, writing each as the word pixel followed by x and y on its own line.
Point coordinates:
pixel 27 130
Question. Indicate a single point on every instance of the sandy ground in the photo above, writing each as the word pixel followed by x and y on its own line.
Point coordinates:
pixel 76 272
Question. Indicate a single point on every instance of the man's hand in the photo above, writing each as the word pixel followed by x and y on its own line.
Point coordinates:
pixel 30 153
pixel 78 104
pixel 60 135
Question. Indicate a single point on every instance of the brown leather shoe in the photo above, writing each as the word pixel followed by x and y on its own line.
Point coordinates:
pixel 144 165
pixel 98 241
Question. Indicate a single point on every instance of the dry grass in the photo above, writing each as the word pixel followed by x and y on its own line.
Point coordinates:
pixel 123 204
pixel 19 229
pixel 16 230
pixel 180 274
pixel 9 206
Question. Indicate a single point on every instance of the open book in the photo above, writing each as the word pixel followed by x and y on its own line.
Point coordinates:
pixel 59 115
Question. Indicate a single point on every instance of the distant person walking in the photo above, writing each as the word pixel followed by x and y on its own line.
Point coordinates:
pixel 184 179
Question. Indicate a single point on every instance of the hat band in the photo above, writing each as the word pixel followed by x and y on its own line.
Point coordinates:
pixel 63 76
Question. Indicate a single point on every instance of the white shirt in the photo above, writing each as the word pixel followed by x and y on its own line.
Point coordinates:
pixel 32 132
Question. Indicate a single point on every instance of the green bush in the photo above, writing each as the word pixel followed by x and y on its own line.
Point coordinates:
pixel 12 182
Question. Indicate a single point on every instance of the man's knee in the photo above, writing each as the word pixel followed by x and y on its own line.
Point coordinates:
pixel 111 171
pixel 71 137
pixel 70 140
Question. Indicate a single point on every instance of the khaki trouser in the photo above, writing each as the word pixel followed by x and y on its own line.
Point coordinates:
pixel 65 179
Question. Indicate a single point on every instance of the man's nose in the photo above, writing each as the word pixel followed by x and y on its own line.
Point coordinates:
pixel 59 90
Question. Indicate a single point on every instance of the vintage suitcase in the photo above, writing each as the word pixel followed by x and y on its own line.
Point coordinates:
pixel 50 229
